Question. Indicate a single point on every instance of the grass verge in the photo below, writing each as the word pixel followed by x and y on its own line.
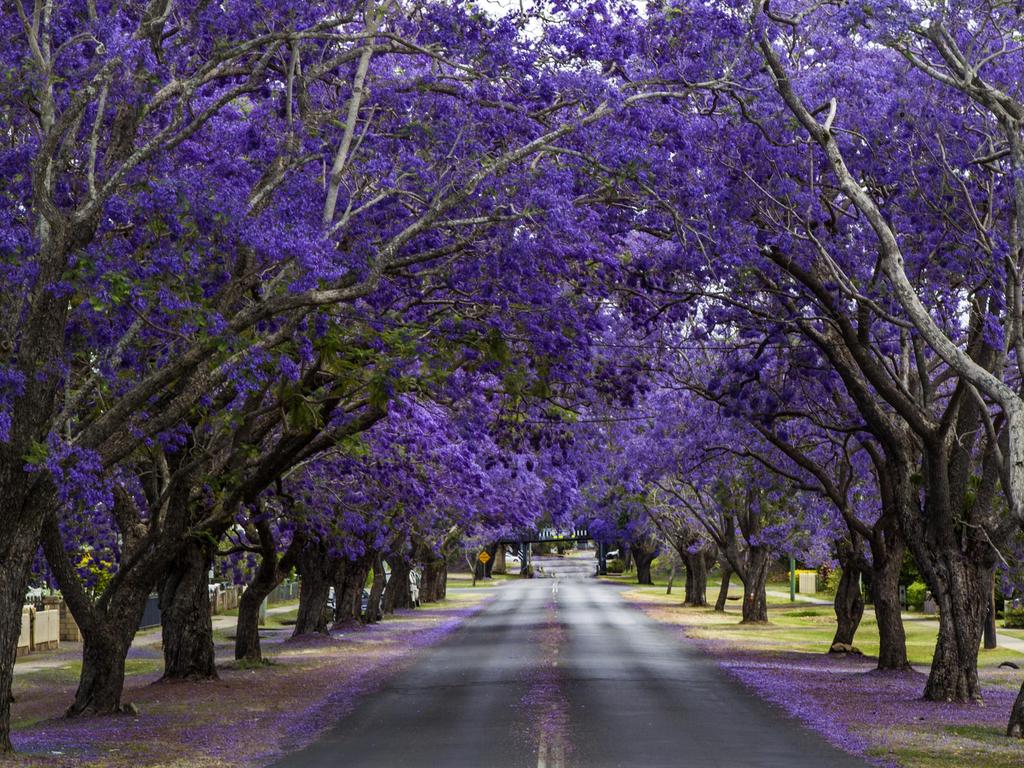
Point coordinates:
pixel 880 716
pixel 248 717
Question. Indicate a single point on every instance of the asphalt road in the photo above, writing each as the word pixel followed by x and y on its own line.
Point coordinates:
pixel 559 673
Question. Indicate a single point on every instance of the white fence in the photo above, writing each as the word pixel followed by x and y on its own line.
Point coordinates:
pixel 25 638
pixel 40 630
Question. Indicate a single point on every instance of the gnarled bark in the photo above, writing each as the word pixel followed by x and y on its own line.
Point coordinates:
pixel 1015 727
pixel 269 574
pixel 397 592
pixel 372 613
pixel 954 564
pixel 348 589
pixel 848 602
pixel 17 547
pixel 314 570
pixel 755 579
pixel 885 595
pixel 104 653
pixel 186 624
pixel 644 551
pixel 849 606
pixel 108 625
pixel 247 631
pixel 432 586
pixel 962 605
pixel 696 579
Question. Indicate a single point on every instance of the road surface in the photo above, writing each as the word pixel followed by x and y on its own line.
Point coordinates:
pixel 558 673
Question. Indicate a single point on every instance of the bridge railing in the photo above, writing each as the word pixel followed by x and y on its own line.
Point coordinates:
pixel 549 534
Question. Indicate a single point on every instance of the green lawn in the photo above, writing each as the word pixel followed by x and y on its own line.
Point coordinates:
pixel 466 579
pixel 958 745
pixel 808 628
pixel 801 627
pixel 234 611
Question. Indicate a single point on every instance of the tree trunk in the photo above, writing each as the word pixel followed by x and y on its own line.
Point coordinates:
pixel 442 581
pixel 499 560
pixel 1015 728
pixel 644 553
pixel 17 547
pixel 104 653
pixel 107 636
pixel 186 625
pixel 643 570
pixel 885 594
pixel 397 593
pixel 430 587
pixel 954 560
pixel 372 614
pixel 247 631
pixel 315 588
pixel 348 590
pixel 755 599
pixel 270 573
pixel 991 641
pixel 26 497
pixel 849 602
pixel 108 625
pixel 849 606
pixel 954 672
pixel 723 589
pixel 888 613
pixel 696 579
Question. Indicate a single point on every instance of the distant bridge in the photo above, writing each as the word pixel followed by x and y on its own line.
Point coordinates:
pixel 520 542
pixel 547 535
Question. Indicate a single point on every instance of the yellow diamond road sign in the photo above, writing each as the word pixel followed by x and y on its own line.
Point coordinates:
pixel 483 557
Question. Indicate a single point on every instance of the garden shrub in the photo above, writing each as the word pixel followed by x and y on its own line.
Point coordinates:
pixel 915 595
pixel 1013 618
pixel 831 581
pixel 661 568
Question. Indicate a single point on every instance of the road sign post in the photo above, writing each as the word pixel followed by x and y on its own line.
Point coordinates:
pixel 480 566
pixel 792 580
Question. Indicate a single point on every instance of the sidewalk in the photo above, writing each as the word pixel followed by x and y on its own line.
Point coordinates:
pixel 69 653
pixel 799 598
